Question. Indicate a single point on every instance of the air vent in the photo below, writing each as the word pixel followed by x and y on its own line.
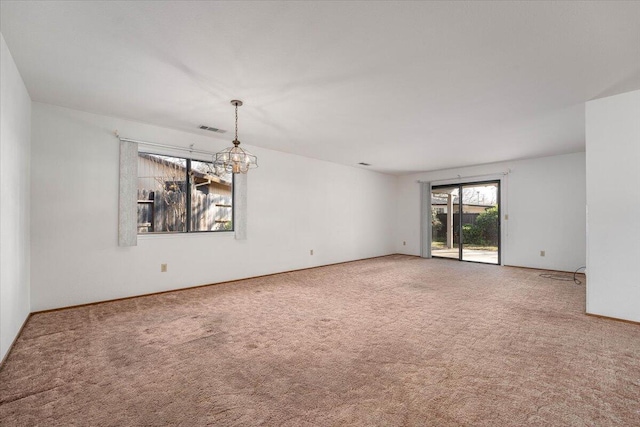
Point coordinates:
pixel 212 129
pixel 364 164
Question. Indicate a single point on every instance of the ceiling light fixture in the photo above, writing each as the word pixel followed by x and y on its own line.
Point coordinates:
pixel 234 159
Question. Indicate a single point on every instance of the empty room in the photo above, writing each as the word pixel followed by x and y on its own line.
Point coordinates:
pixel 319 213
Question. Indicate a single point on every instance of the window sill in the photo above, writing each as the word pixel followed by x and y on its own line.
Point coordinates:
pixel 194 235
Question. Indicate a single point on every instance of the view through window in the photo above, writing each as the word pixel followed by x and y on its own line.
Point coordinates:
pixel 179 195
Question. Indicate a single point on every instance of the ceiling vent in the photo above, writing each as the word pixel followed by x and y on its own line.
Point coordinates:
pixel 212 129
pixel 364 164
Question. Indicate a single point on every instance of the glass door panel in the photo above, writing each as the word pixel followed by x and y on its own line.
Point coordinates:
pixel 444 222
pixel 480 222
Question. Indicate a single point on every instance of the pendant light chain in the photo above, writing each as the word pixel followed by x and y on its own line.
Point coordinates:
pixel 236 122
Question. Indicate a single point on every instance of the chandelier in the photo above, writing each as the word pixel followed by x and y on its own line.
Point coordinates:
pixel 234 159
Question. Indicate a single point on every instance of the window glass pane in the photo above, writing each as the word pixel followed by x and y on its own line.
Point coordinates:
pixel 480 223
pixel 211 198
pixel 162 197
pixel 444 216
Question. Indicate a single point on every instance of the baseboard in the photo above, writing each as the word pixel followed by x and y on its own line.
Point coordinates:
pixel 633 322
pixel 6 356
pixel 249 278
pixel 545 269
pixel 202 286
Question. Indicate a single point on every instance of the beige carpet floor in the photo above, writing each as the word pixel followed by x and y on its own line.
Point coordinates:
pixel 392 341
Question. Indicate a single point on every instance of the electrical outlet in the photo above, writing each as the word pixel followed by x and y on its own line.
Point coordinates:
pixel 163 268
pixel 404 243
pixel 311 252
pixel 542 253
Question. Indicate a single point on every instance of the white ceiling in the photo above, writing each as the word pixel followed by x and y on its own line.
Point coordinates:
pixel 404 86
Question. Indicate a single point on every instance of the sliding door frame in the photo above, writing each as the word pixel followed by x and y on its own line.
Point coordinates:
pixel 460 209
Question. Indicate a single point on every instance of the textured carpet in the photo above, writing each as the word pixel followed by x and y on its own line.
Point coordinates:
pixel 389 341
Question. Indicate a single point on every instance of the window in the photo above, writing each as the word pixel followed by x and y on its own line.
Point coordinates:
pixel 179 195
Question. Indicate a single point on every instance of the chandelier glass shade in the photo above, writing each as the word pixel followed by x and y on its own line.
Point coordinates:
pixel 234 159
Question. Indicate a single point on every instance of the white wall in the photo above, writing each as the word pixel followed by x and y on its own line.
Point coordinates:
pixel 295 204
pixel 15 142
pixel 545 199
pixel 613 198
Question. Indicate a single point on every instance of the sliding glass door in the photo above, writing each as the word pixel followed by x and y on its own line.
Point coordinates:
pixel 445 235
pixel 465 222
